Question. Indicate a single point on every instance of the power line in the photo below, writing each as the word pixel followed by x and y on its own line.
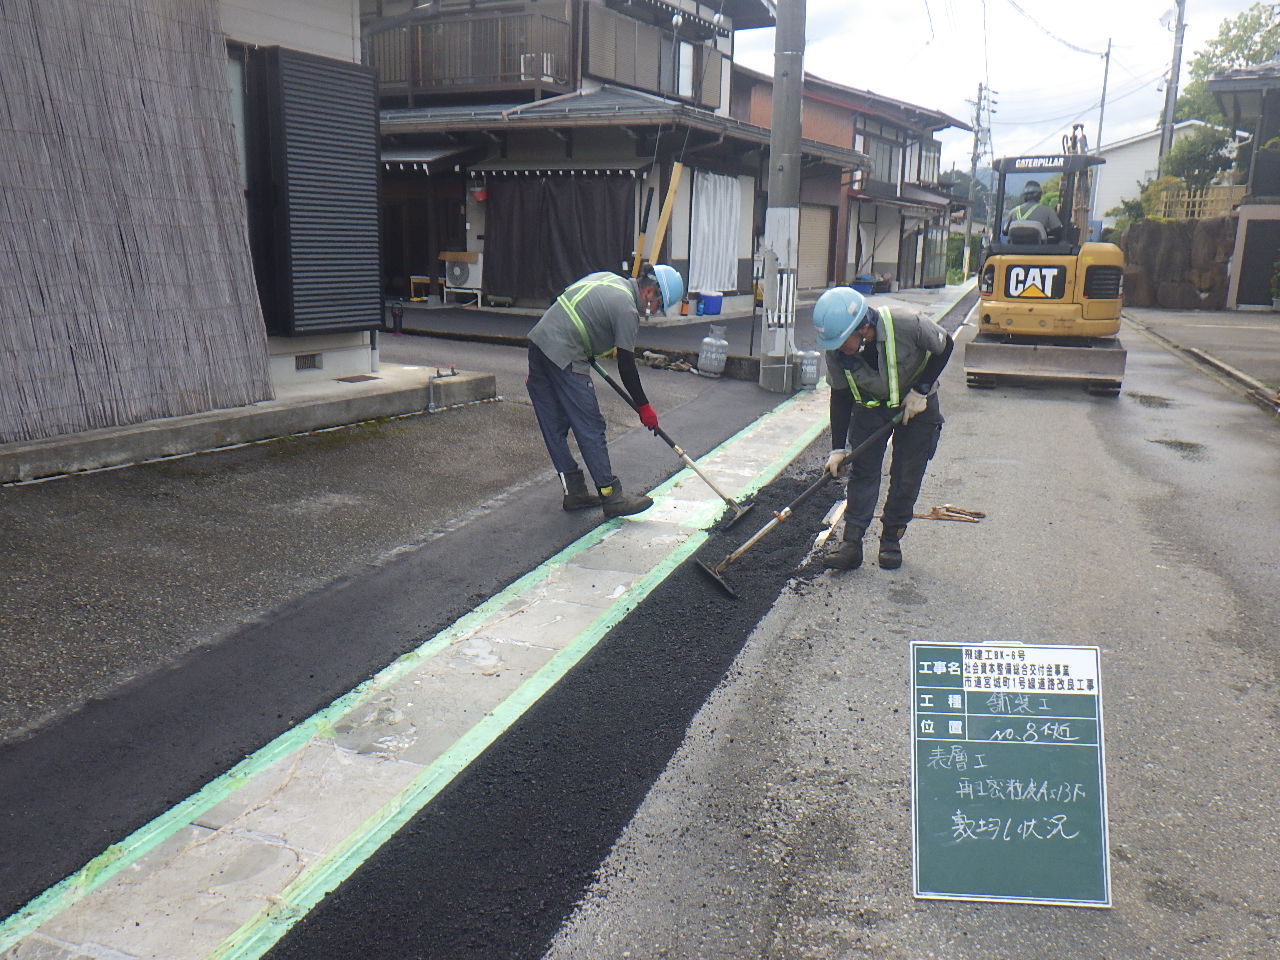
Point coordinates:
pixel 1050 34
pixel 1086 112
pixel 1075 111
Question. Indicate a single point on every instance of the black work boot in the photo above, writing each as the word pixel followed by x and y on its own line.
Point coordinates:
pixel 849 554
pixel 576 494
pixel 615 503
pixel 891 547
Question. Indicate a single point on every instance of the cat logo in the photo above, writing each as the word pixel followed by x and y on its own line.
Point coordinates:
pixel 1035 283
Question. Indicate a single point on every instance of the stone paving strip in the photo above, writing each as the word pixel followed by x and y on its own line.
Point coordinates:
pixel 226 872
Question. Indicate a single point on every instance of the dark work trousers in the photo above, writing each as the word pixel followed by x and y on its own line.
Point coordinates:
pixel 913 448
pixel 564 401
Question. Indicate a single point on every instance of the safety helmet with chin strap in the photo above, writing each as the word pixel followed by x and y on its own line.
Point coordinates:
pixel 670 285
pixel 837 314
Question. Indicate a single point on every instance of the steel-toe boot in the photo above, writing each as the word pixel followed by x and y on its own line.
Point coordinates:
pixel 848 556
pixel 615 503
pixel 891 547
pixel 576 494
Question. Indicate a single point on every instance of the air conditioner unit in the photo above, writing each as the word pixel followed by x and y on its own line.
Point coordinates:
pixel 538 67
pixel 463 272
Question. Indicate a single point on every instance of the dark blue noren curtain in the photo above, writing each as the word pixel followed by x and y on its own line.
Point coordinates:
pixel 543 233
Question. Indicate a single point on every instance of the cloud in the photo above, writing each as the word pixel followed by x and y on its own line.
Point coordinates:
pixel 934 53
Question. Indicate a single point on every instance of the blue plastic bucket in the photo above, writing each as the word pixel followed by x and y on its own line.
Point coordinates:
pixel 711 304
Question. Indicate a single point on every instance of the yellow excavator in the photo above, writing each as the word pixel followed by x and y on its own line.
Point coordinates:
pixel 1049 305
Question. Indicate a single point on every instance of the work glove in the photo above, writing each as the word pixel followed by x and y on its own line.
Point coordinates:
pixel 913 403
pixel 835 460
pixel 647 416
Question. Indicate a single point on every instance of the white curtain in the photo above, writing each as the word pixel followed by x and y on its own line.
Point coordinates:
pixel 713 240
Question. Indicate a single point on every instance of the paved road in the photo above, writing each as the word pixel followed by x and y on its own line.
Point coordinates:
pixel 1145 525
pixel 781 826
pixel 778 827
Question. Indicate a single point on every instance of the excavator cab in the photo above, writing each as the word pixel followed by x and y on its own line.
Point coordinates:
pixel 1049 307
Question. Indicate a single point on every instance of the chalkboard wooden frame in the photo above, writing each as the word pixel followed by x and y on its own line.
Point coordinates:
pixel 1008 774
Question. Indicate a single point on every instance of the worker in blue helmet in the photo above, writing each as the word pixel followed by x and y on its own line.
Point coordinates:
pixel 596 315
pixel 879 362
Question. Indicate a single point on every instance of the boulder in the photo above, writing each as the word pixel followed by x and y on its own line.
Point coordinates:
pixel 1177 295
pixel 1213 241
pixel 1173 256
pixel 1137 287
pixel 1209 278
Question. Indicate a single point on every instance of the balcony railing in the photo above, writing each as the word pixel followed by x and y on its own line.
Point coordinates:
pixel 518 50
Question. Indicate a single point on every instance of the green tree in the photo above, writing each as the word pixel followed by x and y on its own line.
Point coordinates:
pixel 1198 157
pixel 1051 191
pixel 1247 38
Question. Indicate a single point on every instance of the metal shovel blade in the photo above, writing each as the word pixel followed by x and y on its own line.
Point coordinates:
pixel 742 510
pixel 719 580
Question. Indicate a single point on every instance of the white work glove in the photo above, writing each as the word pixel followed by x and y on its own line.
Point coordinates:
pixel 834 461
pixel 913 403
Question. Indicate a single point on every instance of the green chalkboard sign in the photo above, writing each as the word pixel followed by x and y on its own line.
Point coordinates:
pixel 1008 787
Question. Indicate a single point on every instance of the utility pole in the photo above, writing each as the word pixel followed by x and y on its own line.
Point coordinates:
pixel 1097 144
pixel 1102 105
pixel 973 179
pixel 1171 90
pixel 781 249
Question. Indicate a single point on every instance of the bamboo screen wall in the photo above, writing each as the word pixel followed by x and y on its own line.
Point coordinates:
pixel 126 285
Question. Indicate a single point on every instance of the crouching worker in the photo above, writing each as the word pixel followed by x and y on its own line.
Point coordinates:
pixel 879 361
pixel 599 313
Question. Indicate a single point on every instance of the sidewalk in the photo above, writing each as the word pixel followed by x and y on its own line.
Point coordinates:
pixel 1242 344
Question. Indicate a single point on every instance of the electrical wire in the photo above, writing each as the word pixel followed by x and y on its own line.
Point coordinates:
pixel 1085 113
pixel 1051 35
pixel 1075 110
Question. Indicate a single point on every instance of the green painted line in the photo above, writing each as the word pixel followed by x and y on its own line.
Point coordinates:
pixel 293 903
pixel 320 725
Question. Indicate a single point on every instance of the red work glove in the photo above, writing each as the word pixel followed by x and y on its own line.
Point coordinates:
pixel 647 416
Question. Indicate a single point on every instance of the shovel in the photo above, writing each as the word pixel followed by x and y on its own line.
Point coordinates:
pixel 716 573
pixel 740 510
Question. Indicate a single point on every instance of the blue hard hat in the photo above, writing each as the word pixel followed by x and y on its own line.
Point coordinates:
pixel 670 285
pixel 838 312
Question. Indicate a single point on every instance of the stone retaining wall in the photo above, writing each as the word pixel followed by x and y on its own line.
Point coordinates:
pixel 1178 264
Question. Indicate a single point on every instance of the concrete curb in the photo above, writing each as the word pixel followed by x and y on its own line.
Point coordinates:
pixel 1255 389
pixel 398 392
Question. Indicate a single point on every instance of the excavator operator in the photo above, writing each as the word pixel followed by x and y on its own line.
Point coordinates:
pixel 1019 225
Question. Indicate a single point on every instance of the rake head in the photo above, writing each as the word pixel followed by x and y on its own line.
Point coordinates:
pixel 714 574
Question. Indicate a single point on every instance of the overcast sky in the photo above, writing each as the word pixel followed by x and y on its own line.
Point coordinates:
pixel 934 53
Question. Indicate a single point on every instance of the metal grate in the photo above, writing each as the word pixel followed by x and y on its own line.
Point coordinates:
pixel 307 361
pixel 1104 283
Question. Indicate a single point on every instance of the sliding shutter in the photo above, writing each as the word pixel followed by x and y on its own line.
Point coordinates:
pixel 321 271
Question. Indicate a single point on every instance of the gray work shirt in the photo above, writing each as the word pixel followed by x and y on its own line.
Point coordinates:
pixel 917 338
pixel 1038 212
pixel 611 314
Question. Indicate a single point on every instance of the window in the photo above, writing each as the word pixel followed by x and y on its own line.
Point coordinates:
pixel 886 160
pixel 930 161
pixel 685 68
